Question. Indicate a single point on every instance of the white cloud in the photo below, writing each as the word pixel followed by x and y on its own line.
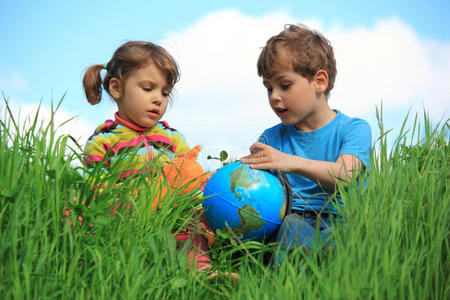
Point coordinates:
pixel 24 115
pixel 221 102
pixel 12 80
pixel 388 62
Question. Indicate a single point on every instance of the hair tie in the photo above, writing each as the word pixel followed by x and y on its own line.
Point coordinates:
pixel 105 66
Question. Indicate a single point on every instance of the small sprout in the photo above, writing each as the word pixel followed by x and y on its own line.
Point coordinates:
pixel 222 157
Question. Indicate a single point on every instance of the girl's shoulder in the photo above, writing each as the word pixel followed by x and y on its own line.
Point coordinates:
pixel 164 124
pixel 111 132
pixel 162 127
pixel 163 133
pixel 104 128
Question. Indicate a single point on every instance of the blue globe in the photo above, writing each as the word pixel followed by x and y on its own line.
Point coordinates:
pixel 250 202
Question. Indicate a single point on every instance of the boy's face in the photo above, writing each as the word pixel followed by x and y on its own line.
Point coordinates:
pixel 292 97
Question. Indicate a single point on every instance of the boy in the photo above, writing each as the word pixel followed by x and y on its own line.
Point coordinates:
pixel 315 146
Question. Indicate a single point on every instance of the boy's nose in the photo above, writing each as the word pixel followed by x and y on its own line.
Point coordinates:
pixel 275 96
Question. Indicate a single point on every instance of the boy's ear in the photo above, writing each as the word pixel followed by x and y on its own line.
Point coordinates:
pixel 115 88
pixel 321 81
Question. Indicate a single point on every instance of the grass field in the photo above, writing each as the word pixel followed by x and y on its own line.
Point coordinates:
pixel 393 243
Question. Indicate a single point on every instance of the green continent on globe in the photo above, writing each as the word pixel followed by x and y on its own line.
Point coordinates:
pixel 241 178
pixel 250 220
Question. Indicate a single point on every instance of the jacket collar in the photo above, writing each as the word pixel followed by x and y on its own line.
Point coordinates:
pixel 130 125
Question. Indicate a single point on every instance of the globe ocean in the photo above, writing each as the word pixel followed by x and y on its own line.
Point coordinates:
pixel 252 203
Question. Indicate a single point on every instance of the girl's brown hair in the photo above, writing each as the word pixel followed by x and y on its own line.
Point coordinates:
pixel 127 58
pixel 308 52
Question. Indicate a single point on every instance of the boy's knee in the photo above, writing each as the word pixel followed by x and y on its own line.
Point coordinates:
pixel 285 232
pixel 292 223
pixel 294 231
pixel 290 219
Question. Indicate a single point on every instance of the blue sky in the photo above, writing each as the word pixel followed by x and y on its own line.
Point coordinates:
pixel 395 51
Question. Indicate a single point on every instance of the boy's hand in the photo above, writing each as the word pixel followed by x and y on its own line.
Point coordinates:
pixel 265 157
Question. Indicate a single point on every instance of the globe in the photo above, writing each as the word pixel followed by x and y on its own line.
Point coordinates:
pixel 252 203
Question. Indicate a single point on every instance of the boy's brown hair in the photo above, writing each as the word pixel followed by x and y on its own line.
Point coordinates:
pixel 127 58
pixel 308 52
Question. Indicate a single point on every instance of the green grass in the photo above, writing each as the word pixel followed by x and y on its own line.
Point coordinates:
pixel 393 243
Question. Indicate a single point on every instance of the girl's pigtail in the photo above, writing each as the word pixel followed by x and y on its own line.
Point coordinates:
pixel 92 84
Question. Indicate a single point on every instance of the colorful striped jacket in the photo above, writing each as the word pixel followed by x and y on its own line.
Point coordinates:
pixel 119 138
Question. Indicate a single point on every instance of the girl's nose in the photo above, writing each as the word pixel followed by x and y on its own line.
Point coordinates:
pixel 156 99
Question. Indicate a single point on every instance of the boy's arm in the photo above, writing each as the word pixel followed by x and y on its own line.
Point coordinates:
pixel 325 173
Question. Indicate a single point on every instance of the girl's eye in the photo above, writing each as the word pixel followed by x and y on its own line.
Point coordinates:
pixel 269 90
pixel 147 89
pixel 166 93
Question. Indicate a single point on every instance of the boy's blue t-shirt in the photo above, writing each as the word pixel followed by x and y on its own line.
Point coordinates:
pixel 343 135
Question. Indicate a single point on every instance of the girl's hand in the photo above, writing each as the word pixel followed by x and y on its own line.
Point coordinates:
pixel 266 157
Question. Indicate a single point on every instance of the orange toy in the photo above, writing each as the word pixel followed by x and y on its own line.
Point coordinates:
pixel 182 174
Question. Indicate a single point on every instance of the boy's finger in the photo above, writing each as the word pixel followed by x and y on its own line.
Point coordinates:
pixel 253 155
pixel 247 160
pixel 257 147
pixel 260 166
pixel 255 158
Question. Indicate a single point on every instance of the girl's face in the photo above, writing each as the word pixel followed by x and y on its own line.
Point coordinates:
pixel 143 96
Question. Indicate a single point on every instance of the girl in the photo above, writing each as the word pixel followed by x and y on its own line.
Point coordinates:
pixel 139 77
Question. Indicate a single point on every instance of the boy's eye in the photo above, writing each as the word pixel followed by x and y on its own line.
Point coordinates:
pixel 284 87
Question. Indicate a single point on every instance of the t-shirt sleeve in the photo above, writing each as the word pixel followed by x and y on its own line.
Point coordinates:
pixel 357 140
pixel 263 139
pixel 272 136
